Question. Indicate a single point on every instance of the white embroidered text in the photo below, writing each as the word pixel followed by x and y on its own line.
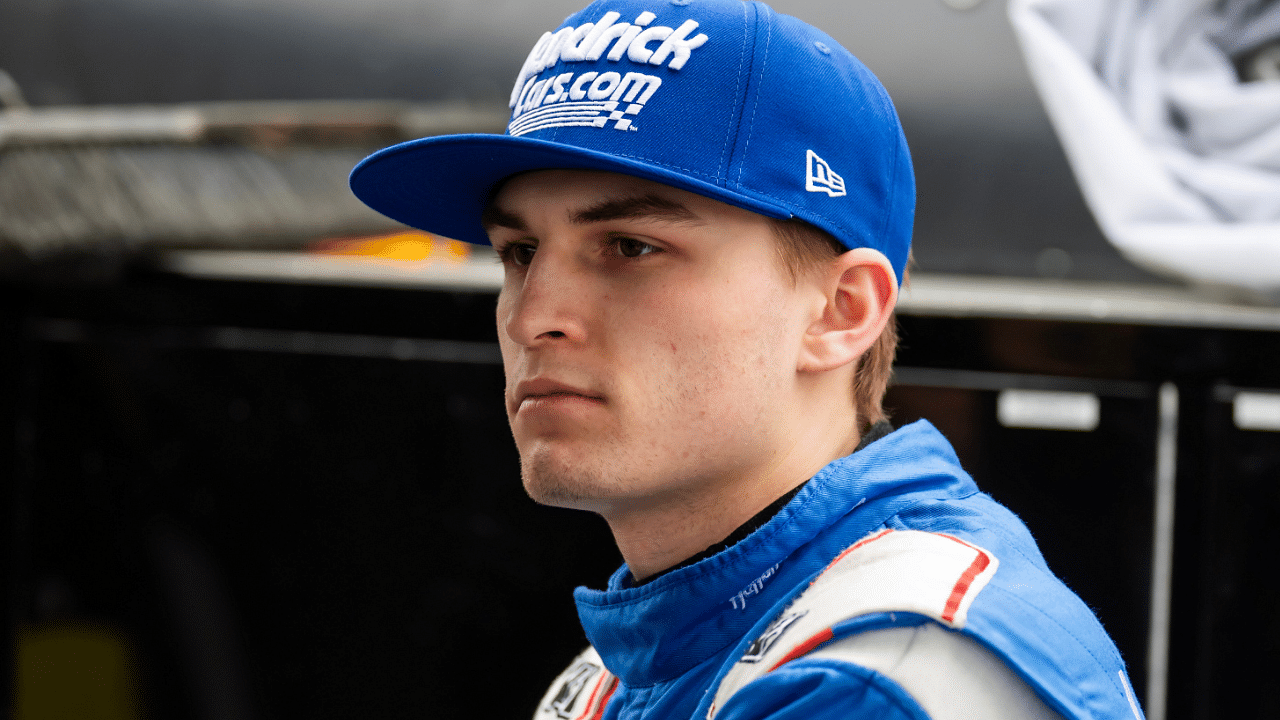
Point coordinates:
pixel 739 601
pixel 595 99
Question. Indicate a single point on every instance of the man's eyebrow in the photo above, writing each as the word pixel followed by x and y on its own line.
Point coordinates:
pixel 642 207
pixel 494 216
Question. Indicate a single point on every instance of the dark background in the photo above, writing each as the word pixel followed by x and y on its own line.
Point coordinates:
pixel 298 533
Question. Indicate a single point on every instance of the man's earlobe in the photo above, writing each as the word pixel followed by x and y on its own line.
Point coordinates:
pixel 860 291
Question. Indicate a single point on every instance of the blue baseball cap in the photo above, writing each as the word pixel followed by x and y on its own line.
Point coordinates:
pixel 723 98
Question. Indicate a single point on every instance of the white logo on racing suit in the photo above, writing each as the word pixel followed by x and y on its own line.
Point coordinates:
pixel 569 692
pixel 761 645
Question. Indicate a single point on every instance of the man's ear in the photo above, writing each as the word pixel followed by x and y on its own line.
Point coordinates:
pixel 859 291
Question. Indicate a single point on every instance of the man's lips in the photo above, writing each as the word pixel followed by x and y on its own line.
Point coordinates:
pixel 544 389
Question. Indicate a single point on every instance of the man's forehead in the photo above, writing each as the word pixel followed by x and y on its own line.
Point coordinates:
pixel 588 196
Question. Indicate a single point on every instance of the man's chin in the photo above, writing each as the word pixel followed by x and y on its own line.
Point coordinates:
pixel 559 491
pixel 549 482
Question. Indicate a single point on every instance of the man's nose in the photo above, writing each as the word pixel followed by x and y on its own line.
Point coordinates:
pixel 549 302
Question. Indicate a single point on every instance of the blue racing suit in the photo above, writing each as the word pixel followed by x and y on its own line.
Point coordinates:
pixel 661 650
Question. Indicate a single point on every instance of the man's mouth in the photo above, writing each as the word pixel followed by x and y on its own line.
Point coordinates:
pixel 546 391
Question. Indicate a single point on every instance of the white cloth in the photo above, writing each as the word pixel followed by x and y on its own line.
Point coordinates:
pixel 950 675
pixel 1177 158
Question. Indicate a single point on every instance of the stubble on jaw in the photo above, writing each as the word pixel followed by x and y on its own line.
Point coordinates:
pixel 552 476
pixel 551 483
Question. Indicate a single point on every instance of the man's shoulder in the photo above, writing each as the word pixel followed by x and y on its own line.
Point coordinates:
pixel 921 671
pixel 992 601
pixel 891 578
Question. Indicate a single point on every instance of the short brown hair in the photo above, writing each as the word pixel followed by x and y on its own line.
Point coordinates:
pixel 803 247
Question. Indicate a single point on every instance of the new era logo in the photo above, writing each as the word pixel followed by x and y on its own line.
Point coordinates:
pixel 819 177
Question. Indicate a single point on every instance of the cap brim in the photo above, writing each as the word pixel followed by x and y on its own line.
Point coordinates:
pixel 441 184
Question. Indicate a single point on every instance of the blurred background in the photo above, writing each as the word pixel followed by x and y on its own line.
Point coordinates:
pixel 257 458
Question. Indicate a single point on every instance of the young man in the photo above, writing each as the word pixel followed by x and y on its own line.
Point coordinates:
pixel 703 210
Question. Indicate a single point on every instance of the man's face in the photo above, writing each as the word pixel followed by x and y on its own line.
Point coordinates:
pixel 649 337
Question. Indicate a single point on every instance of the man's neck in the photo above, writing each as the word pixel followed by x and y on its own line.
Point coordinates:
pixel 655 533
pixel 653 539
pixel 875 432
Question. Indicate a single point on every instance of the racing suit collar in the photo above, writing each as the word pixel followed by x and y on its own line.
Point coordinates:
pixel 663 629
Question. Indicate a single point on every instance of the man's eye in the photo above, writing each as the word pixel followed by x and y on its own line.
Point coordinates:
pixel 632 248
pixel 517 253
